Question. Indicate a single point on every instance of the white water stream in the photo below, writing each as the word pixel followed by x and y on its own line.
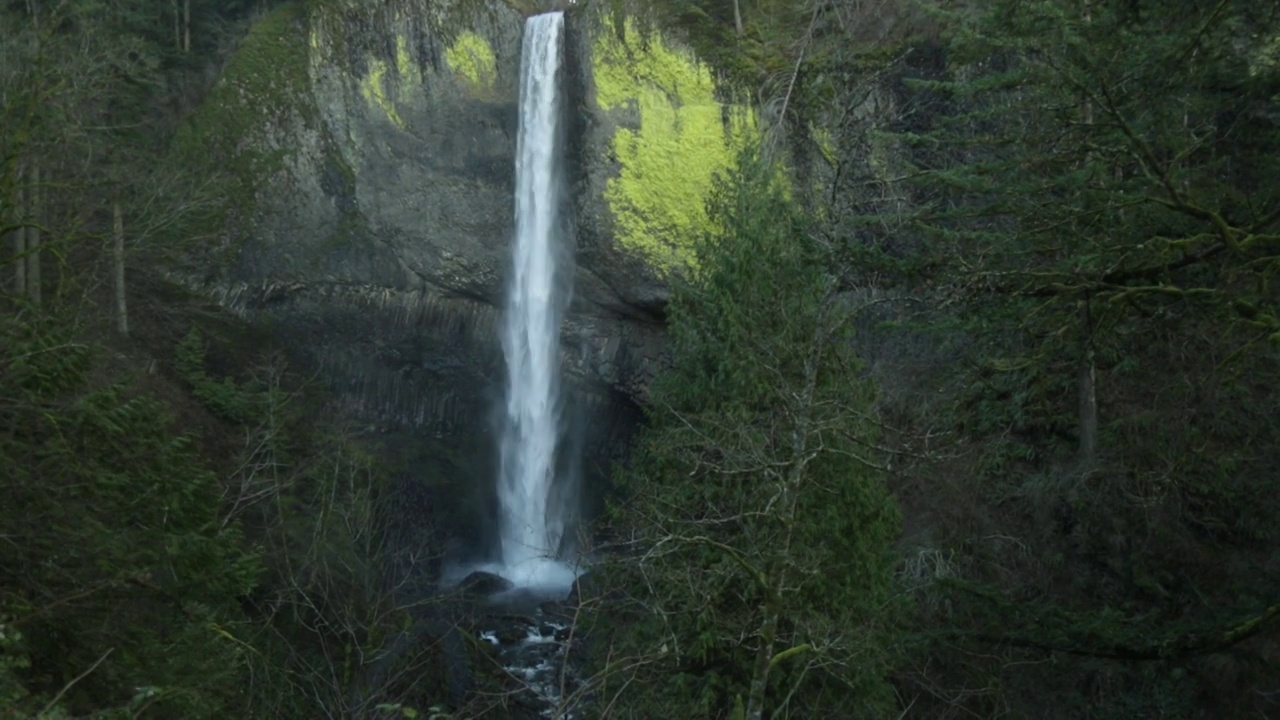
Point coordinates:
pixel 533 515
pixel 534 504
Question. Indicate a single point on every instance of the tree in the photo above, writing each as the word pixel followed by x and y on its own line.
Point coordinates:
pixel 758 561
pixel 18 234
pixel 151 569
pixel 117 263
pixel 65 82
pixel 116 561
pixel 84 150
pixel 1086 187
pixel 1093 221
pixel 32 219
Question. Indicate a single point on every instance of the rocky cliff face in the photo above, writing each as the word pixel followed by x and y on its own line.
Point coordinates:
pixel 372 155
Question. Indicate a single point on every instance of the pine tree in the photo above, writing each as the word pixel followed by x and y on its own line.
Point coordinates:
pixel 1106 166
pixel 1095 221
pixel 760 567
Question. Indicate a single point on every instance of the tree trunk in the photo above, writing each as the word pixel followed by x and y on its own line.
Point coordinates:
pixel 737 17
pixel 777 570
pixel 117 257
pixel 19 237
pixel 767 636
pixel 177 26
pixel 1087 380
pixel 186 26
pixel 1086 372
pixel 33 236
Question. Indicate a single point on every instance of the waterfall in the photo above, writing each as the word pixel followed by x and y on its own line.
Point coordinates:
pixel 532 518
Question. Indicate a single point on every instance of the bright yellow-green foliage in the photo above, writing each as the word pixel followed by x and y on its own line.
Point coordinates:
pixel 374 88
pixel 826 143
pixel 404 63
pixel 669 163
pixel 471 58
pixel 385 76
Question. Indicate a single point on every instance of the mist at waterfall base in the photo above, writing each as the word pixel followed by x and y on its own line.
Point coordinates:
pixel 537 483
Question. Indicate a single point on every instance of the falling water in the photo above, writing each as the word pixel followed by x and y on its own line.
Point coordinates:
pixel 533 521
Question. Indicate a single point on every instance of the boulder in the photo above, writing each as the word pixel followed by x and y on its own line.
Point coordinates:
pixel 484 584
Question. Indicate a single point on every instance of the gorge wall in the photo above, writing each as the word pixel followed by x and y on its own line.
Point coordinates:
pixel 368 156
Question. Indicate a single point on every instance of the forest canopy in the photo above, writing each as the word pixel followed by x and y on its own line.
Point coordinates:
pixel 970 408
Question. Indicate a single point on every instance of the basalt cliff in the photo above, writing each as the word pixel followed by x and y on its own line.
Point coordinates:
pixel 370 151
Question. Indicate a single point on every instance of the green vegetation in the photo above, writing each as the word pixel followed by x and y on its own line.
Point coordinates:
pixel 680 142
pixel 473 60
pixel 758 563
pixel 1058 223
pixel 971 408
pixel 186 534
pixel 1089 235
pixel 169 579
pixel 379 88
pixel 267 77
pixel 117 560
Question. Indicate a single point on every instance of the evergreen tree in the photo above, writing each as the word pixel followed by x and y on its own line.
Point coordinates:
pixel 116 560
pixel 231 567
pixel 1095 222
pixel 758 574
pixel 1103 168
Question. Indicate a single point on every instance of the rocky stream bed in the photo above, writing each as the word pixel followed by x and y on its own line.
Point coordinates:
pixel 532 636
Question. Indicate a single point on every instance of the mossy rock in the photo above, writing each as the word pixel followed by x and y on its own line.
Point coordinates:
pixel 264 85
pixel 674 136
pixel 471 58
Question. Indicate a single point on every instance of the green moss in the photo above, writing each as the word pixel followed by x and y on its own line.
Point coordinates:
pixel 471 58
pixel 376 87
pixel 265 83
pixel 825 142
pixel 669 162
pixel 379 77
pixel 404 62
pixel 352 229
pixel 339 182
pixel 266 76
pixel 382 82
